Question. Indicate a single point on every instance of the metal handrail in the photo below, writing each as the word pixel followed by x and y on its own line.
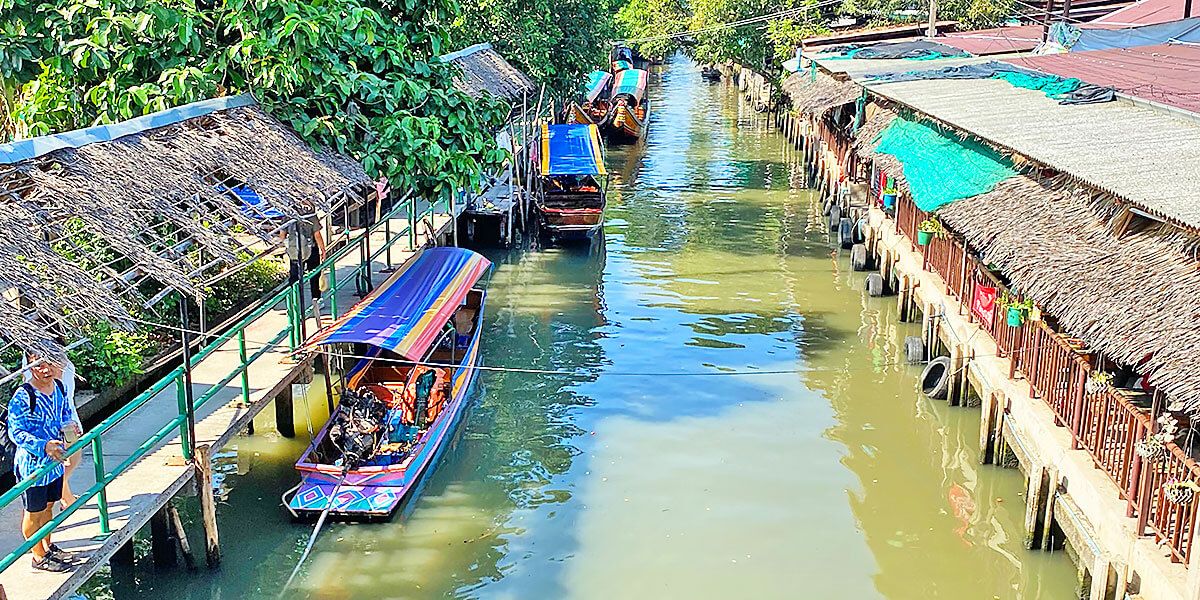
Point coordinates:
pixel 288 295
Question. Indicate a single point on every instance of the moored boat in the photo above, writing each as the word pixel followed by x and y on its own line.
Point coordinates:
pixel 630 106
pixel 415 341
pixel 595 107
pixel 621 58
pixel 571 184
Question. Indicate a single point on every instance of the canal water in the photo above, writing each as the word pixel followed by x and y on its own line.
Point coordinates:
pixel 728 417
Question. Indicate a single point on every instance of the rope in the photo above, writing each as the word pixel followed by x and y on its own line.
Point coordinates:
pixel 783 14
pixel 312 539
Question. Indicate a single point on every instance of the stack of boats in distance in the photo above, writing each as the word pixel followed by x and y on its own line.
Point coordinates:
pixel 616 100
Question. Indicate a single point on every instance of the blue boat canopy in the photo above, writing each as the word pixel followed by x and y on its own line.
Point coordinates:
pixel 572 149
pixel 406 314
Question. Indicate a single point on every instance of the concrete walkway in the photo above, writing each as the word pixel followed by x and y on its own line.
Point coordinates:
pixel 148 485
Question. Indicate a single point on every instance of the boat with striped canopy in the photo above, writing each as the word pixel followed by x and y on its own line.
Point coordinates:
pixel 413 343
pixel 630 106
pixel 595 107
pixel 571 188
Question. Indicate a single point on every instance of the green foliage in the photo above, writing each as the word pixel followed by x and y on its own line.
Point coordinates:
pixel 113 357
pixel 555 42
pixel 759 46
pixel 249 283
pixel 82 246
pixel 639 19
pixel 344 73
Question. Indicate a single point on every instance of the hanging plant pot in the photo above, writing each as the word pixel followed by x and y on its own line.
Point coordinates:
pixel 889 201
pixel 1179 492
pixel 924 237
pixel 1152 448
pixel 1014 317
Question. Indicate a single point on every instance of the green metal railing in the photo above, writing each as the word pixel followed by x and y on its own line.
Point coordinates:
pixel 289 296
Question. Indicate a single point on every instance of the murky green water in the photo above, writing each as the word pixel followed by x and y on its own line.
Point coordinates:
pixel 824 476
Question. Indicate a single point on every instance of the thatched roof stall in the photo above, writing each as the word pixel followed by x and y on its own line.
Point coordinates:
pixel 104 218
pixel 1127 296
pixel 483 70
pixel 820 95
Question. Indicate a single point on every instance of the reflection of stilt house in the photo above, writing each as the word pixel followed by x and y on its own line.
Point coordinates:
pixel 1049 246
pixel 502 203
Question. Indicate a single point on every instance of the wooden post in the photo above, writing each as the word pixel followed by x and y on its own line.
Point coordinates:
pixel 987 427
pixel 208 507
pixel 124 555
pixel 285 419
pixel 185 548
pixel 1035 504
pixel 931 31
pixel 162 544
pixel 3 596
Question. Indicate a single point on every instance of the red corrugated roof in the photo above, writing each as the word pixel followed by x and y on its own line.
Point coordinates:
pixel 1146 12
pixel 1166 73
pixel 998 40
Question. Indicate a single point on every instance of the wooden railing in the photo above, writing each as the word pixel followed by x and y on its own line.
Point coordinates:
pixel 1105 423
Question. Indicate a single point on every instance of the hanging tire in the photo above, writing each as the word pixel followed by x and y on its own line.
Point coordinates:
pixel 835 217
pixel 875 285
pixel 860 231
pixel 914 349
pixel 935 379
pixel 845 233
pixel 858 257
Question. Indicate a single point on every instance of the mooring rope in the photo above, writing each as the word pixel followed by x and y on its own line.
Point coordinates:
pixel 312 539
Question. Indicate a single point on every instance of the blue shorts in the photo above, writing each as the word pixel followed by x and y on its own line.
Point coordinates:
pixel 41 497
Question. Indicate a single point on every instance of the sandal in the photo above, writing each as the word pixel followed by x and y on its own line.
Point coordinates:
pixel 50 565
pixel 62 556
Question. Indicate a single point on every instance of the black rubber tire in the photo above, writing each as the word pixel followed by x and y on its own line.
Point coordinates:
pixel 935 379
pixel 858 257
pixel 835 217
pixel 860 231
pixel 914 349
pixel 875 285
pixel 845 233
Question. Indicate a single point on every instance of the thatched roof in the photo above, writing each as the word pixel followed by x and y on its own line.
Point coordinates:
pixel 818 96
pixel 145 210
pixel 1126 297
pixel 483 70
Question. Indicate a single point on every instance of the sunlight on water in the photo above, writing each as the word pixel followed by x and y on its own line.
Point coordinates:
pixel 823 476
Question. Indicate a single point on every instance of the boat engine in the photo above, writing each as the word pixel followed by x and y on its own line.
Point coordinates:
pixel 357 426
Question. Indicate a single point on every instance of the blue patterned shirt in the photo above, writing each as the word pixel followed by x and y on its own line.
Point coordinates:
pixel 31 431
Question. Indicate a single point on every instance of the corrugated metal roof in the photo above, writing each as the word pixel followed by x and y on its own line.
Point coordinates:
pixel 1144 155
pixel 1164 73
pixel 1146 12
pixel 998 40
pixel 858 68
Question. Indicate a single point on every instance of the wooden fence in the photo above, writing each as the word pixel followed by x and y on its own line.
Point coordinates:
pixel 1105 422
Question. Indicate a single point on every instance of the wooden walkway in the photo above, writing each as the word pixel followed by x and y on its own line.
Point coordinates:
pixel 140 492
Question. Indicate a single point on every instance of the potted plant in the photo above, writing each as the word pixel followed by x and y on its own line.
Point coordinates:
pixel 1180 492
pixel 1015 311
pixel 927 229
pixel 1098 381
pixel 889 198
pixel 1153 448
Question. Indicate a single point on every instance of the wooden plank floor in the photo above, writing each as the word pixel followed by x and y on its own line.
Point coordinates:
pixel 146 487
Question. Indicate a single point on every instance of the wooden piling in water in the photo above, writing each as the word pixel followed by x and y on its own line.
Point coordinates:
pixel 185 548
pixel 208 507
pixel 285 417
pixel 162 542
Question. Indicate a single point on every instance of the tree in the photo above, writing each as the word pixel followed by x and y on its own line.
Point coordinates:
pixel 344 73
pixel 760 44
pixel 555 42
pixel 639 19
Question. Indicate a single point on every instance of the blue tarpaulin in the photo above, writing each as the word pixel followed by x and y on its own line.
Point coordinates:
pixel 571 149
pixel 1186 30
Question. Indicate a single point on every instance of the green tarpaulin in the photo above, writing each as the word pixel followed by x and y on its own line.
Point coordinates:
pixel 941 168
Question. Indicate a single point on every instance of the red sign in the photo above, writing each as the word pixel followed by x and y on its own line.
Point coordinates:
pixel 983 303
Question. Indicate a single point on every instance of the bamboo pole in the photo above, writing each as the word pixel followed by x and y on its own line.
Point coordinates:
pixel 185 547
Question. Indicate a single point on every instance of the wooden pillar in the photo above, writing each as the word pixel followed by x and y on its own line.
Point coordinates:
pixel 987 428
pixel 285 418
pixel 1036 496
pixel 958 361
pixel 185 548
pixel 124 555
pixel 162 542
pixel 1048 514
pixel 208 506
pixel 1193 566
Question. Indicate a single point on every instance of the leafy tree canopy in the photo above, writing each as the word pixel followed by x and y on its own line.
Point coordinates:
pixel 555 42
pixel 648 20
pixel 358 77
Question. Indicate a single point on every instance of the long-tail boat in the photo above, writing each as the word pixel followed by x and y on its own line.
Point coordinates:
pixel 415 343
pixel 621 58
pixel 595 108
pixel 572 183
pixel 630 106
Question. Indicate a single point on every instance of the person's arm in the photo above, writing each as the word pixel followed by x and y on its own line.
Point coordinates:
pixel 20 426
